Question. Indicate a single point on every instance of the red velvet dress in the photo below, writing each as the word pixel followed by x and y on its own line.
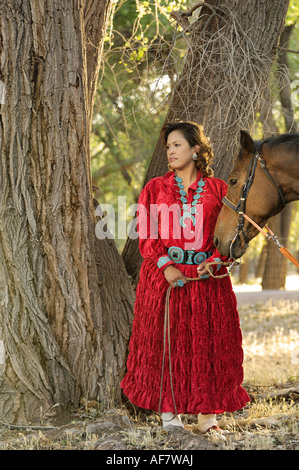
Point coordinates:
pixel 206 340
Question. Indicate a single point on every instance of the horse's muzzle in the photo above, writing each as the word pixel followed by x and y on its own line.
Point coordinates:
pixel 223 248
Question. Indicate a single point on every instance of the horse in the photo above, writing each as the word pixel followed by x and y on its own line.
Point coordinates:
pixel 265 178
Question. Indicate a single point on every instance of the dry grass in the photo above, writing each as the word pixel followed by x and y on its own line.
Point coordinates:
pixel 269 422
pixel 271 363
pixel 271 342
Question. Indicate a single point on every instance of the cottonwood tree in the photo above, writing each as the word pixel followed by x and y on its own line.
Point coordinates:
pixel 66 300
pixel 231 47
pixel 275 267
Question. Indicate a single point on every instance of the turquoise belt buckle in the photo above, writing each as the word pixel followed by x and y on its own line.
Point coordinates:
pixel 179 256
pixel 176 254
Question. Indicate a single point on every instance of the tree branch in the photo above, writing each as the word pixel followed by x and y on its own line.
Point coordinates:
pixel 95 17
pixel 287 50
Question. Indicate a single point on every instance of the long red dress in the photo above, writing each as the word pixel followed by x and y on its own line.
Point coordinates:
pixel 206 340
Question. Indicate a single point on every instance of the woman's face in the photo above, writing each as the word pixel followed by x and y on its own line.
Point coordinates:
pixel 179 152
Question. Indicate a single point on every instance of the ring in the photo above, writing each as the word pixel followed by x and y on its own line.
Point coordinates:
pixel 180 283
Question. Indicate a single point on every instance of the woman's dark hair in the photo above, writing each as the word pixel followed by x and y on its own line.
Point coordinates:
pixel 195 135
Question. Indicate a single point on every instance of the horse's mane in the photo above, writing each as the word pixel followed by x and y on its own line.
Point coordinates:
pixel 289 139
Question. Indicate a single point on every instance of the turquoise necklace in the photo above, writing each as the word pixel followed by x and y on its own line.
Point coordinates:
pixel 188 212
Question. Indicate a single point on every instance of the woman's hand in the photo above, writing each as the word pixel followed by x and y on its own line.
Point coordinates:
pixel 202 271
pixel 172 275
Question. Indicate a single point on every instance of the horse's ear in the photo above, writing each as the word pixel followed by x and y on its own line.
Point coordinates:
pixel 247 143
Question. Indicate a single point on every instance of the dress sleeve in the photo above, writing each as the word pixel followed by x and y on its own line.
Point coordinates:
pixel 151 245
pixel 221 188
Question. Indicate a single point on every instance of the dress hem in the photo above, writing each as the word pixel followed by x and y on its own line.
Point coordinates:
pixel 231 402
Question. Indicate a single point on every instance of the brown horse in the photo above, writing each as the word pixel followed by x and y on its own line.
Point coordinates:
pixel 264 179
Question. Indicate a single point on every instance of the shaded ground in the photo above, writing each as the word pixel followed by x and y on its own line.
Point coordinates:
pixel 269 422
pixel 271 425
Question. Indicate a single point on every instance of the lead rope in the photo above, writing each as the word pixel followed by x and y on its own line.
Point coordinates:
pixel 166 331
pixel 273 237
pixel 269 236
pixel 167 328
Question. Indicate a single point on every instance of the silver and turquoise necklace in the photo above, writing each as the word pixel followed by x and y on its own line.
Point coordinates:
pixel 189 212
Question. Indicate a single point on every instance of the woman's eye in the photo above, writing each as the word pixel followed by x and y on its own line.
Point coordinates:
pixel 232 182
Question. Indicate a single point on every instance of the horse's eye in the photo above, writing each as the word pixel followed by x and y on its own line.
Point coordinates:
pixel 232 182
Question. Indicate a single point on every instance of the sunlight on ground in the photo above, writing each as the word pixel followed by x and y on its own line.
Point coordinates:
pixel 292 283
pixel 270 341
pixel 270 335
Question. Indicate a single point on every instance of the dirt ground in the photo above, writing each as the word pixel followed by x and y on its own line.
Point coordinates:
pixel 269 422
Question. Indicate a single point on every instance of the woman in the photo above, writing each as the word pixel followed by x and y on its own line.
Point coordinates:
pixel 176 217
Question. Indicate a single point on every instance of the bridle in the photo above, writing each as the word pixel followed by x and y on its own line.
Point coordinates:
pixel 241 206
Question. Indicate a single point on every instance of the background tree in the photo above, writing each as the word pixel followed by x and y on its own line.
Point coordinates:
pixel 275 268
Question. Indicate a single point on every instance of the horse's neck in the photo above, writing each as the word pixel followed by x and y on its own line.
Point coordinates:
pixel 293 195
pixel 289 182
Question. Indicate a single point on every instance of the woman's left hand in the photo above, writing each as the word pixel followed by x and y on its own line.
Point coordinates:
pixel 202 271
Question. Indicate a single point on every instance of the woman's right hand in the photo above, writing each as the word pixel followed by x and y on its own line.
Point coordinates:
pixel 172 275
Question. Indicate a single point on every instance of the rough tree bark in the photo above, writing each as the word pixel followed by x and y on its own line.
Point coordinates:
pixel 231 47
pixel 65 298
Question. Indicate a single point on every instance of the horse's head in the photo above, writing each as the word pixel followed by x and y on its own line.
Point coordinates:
pixel 262 200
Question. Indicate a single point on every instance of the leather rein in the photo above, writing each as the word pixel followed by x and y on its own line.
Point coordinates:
pixel 241 206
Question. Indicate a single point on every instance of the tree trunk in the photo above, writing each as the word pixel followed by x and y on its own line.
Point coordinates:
pixel 261 261
pixel 244 270
pixel 291 126
pixel 275 261
pixel 284 79
pixel 285 224
pixel 230 52
pixel 273 265
pixel 63 332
